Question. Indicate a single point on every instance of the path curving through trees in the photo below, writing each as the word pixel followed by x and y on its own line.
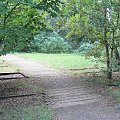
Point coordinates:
pixel 68 96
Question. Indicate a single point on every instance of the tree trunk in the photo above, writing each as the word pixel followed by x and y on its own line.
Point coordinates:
pixel 117 55
pixel 109 71
pixel 114 50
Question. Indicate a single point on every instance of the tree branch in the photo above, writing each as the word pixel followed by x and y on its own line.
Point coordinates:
pixel 9 13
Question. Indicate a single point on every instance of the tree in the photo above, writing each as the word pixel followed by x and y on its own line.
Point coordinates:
pixel 96 20
pixel 20 20
pixel 104 17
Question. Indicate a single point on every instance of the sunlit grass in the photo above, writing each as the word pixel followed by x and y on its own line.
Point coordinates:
pixel 63 61
pixel 6 67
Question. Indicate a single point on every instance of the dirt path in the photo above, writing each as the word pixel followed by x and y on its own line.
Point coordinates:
pixel 68 96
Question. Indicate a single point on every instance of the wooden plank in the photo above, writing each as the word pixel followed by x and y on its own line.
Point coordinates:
pixel 11 78
pixel 15 96
pixel 6 74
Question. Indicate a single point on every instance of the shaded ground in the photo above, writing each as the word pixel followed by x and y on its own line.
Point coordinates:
pixel 71 98
pixel 21 99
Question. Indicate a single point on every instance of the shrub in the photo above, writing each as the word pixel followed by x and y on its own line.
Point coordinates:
pixel 49 42
pixel 84 47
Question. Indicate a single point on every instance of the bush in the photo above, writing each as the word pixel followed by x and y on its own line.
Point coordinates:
pixel 95 50
pixel 84 47
pixel 49 42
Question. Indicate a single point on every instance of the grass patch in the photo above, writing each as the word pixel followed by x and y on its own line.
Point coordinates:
pixel 101 81
pixel 28 113
pixel 116 91
pixel 23 108
pixel 116 94
pixel 6 67
pixel 113 86
pixel 63 61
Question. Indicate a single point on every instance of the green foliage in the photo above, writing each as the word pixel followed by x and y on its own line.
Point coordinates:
pixel 84 47
pixel 20 20
pixel 96 20
pixel 49 42
pixel 95 51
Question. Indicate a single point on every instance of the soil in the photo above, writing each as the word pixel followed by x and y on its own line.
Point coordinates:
pixel 70 97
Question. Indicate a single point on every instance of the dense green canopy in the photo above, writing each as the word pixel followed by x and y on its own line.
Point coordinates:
pixel 21 19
